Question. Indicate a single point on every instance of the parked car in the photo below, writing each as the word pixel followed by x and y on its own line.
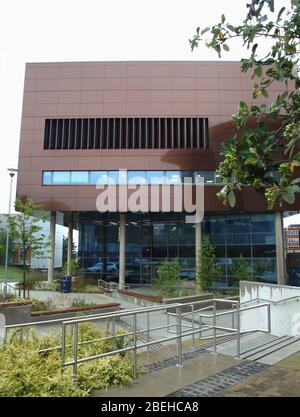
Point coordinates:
pixel 101 267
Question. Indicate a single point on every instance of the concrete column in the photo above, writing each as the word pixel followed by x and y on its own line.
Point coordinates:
pixel 280 253
pixel 122 240
pixel 197 248
pixel 52 247
pixel 70 240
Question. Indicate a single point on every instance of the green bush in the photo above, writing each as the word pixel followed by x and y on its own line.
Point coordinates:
pixel 80 302
pixel 168 278
pixel 208 270
pixel 26 373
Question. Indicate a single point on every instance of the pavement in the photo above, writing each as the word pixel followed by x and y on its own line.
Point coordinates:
pixel 203 374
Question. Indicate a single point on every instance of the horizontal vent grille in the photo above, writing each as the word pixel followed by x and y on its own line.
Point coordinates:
pixel 127 133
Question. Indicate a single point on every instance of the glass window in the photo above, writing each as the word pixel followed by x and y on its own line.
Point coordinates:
pixel 209 176
pixel 155 177
pixel 47 177
pixel 79 177
pixel 188 176
pixel 173 177
pixel 136 177
pixel 96 176
pixel 61 177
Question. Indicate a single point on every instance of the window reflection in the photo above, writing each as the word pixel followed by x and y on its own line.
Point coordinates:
pixel 47 177
pixel 122 177
pixel 61 177
pixel 79 177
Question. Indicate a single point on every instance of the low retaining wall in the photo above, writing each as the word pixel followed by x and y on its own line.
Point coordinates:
pixel 137 298
pixel 15 313
pixel 73 312
pixel 21 312
pixel 200 297
pixel 284 303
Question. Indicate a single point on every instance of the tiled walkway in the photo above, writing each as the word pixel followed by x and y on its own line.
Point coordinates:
pixel 214 384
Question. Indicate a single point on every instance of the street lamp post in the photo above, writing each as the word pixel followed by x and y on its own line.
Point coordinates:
pixel 12 172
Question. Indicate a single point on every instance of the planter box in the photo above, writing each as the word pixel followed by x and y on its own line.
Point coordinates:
pixel 74 312
pixel 16 313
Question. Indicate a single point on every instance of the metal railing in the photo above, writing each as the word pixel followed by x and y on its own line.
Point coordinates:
pixel 177 322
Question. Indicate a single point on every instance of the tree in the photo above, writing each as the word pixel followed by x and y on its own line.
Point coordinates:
pixel 168 278
pixel 241 270
pixel 207 270
pixel 2 246
pixel 266 156
pixel 25 230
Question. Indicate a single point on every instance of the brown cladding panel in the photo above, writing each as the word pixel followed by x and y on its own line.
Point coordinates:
pixel 144 90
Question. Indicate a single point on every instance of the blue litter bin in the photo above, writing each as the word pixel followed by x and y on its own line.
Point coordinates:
pixel 65 284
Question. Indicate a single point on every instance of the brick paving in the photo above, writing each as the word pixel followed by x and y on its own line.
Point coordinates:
pixel 152 367
pixel 217 383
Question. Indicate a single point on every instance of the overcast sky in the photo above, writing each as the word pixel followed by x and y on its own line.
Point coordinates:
pixel 94 30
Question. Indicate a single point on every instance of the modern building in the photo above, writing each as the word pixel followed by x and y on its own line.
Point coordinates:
pixel 158 122
pixel 40 262
pixel 292 236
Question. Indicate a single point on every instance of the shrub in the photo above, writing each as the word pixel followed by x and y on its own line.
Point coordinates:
pixel 241 270
pixel 168 278
pixel 207 268
pixel 26 373
pixel 80 302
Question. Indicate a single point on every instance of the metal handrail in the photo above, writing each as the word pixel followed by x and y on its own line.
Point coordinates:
pixel 181 330
pixel 271 301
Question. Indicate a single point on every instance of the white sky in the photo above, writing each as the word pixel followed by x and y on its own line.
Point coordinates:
pixel 94 30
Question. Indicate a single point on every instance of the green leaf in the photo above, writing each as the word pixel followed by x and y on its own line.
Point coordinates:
pixel 288 196
pixel 258 71
pixel 205 30
pixel 280 13
pixel 231 198
pixel 225 47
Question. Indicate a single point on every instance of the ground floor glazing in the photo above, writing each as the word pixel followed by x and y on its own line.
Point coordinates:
pixel 154 237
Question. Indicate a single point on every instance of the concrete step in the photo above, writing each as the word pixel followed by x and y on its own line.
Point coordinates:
pixel 279 352
pixel 249 341
pixel 261 347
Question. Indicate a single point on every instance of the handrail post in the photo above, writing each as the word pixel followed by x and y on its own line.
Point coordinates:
pixel 63 345
pixel 75 354
pixel 179 334
pixel 238 330
pixel 21 334
pixel 5 336
pixel 269 318
pixel 214 326
pixel 148 330
pixel 193 325
pixel 113 330
pixel 232 317
pixel 168 323
pixel 134 349
pixel 200 326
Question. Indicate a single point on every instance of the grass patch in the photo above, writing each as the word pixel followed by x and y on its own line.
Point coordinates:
pixel 14 273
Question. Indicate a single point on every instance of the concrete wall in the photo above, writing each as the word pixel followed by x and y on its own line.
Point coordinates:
pixel 285 315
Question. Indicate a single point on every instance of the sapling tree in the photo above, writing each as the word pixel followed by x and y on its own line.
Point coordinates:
pixel 208 270
pixel 25 230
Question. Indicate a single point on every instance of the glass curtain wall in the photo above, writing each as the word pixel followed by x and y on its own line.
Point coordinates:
pixel 154 237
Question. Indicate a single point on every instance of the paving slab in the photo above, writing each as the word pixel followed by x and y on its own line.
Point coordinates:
pixel 275 381
pixel 170 379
